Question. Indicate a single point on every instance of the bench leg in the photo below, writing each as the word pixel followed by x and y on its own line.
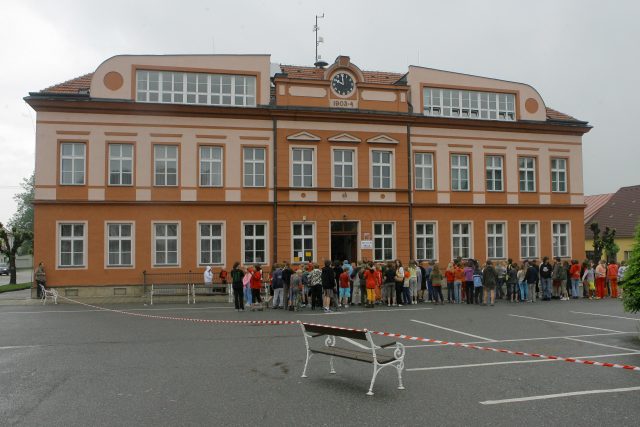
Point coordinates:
pixel 376 369
pixel 306 363
pixel 399 368
pixel 332 370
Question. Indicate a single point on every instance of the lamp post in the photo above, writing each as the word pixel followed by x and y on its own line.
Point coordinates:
pixel 12 256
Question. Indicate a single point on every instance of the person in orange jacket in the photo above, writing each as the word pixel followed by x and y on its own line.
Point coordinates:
pixel 612 274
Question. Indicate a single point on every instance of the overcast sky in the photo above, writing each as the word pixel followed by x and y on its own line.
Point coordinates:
pixel 582 56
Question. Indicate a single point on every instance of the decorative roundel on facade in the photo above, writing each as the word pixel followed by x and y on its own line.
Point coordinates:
pixel 303 195
pixel 531 105
pixel 113 80
pixel 382 196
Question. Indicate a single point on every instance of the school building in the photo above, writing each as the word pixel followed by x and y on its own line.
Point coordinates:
pixel 171 163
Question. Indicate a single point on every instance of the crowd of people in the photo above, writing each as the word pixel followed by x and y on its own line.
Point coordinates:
pixel 340 284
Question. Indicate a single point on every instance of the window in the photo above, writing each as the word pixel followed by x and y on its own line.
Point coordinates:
pixel 211 243
pixel 195 88
pixel 560 239
pixel 383 241
pixel 343 167
pixel 559 175
pixel 255 243
pixel 381 163
pixel 72 163
pixel 425 241
pixel 210 166
pixel 120 164
pixel 119 245
pixel 165 165
pixel 527 166
pixel 424 171
pixel 71 245
pixel 528 240
pixel 461 240
pixel 469 104
pixel 254 167
pixel 302 237
pixel 627 255
pixel 165 238
pixel 495 240
pixel 460 172
pixel 302 167
pixel 494 173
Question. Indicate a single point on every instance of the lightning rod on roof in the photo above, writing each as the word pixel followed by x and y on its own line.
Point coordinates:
pixel 318 61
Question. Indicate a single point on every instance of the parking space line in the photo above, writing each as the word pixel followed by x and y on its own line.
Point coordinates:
pixel 515 362
pixel 605 315
pixel 563 323
pixel 552 396
pixel 321 313
pixel 453 330
pixel 603 345
pixel 526 339
pixel 133 309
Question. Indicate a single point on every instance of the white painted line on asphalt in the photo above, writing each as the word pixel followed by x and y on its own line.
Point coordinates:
pixel 516 362
pixel 453 330
pixel 605 315
pixel 527 339
pixel 603 345
pixel 13 347
pixel 553 396
pixel 321 313
pixel 133 309
pixel 563 323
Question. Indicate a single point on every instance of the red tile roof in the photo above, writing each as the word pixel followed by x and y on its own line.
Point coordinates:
pixel 621 211
pixel 594 203
pixel 73 86
pixel 313 73
pixel 557 115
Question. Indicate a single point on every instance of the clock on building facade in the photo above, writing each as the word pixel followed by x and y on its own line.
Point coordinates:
pixel 343 84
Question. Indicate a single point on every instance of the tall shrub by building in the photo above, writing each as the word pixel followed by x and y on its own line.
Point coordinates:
pixel 631 296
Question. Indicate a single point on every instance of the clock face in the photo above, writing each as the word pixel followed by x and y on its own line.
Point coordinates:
pixel 343 84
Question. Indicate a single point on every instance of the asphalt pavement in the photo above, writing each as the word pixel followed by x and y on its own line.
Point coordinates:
pixel 74 365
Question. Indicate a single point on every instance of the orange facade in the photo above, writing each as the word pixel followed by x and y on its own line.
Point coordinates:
pixel 332 163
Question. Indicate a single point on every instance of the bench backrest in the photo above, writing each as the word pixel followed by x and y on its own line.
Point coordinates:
pixel 356 334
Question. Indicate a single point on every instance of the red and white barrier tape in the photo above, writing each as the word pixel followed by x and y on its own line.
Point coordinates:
pixel 384 334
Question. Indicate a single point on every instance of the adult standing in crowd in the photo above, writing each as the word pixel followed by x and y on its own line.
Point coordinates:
pixel 436 283
pixel 489 283
pixel 546 271
pixel 574 274
pixel 287 272
pixel 256 283
pixel 512 281
pixel 328 283
pixel 236 284
pixel 531 277
pixel 41 279
pixel 612 275
pixel 458 280
pixel 399 280
pixel 556 277
pixel 246 282
pixel 468 281
pixel 277 284
pixel 390 283
pixel 450 277
pixel 601 275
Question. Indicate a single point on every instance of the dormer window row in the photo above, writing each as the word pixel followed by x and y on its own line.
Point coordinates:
pixel 466 104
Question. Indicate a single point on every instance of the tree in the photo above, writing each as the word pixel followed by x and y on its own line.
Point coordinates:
pixel 631 279
pixel 603 243
pixel 10 240
pixel 22 219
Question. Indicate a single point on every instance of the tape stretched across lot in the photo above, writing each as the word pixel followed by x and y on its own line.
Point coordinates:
pixel 380 333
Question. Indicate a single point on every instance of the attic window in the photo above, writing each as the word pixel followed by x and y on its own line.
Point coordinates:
pixel 469 104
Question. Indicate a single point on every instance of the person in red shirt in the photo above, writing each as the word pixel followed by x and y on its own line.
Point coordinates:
pixel 612 274
pixel 574 274
pixel 256 283
pixel 601 275
pixel 344 290
pixel 379 283
pixel 371 281
pixel 449 274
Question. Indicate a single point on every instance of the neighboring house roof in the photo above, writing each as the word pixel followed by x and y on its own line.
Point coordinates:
pixel 621 211
pixel 74 86
pixel 594 203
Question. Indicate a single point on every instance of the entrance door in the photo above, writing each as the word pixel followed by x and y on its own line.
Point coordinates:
pixel 344 240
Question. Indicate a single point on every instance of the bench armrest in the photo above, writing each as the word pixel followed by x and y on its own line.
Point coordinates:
pixel 389 344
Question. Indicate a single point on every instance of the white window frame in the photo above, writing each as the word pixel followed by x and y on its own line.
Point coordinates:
pixel 454 235
pixel 302 237
pixel 491 170
pixel 120 159
pixel 211 161
pixel 567 235
pixel 466 104
pixel 381 165
pixel 108 238
pixel 302 164
pixel 425 236
pixel 84 239
pixel 178 243
pixel 557 173
pixel 166 161
pixel 266 242
pixel 457 169
pixel 427 180
pixel 493 236
pixel 523 175
pixel 254 162
pixel 529 255
pixel 223 241
pixel 171 87
pixel 73 157
pixel 342 164
pixel 383 236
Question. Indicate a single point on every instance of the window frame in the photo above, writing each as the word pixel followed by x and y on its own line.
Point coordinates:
pixel 568 237
pixel 178 243
pixel 468 168
pixel 302 237
pixel 418 236
pixel 537 237
pixel 556 172
pixel 121 159
pixel 354 167
pixel 432 168
pixel 391 168
pixel 302 162
pixel 454 255
pixel 493 169
pixel 85 249
pixel 504 103
pixel 211 161
pixel 266 242
pixel 534 180
pixel 223 241
pixel 494 235
pixel 254 162
pixel 73 157
pixel 107 239
pixel 392 236
pixel 155 161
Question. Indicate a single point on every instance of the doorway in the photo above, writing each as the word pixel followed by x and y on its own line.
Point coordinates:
pixel 344 240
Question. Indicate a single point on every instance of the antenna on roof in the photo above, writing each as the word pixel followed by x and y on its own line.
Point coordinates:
pixel 318 62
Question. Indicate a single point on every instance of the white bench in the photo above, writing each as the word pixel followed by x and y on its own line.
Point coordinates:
pixel 51 293
pixel 373 353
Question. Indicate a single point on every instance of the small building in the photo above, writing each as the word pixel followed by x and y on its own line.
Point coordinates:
pixel 170 163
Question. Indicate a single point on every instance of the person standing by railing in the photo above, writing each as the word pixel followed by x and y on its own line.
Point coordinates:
pixel 246 282
pixel 41 280
pixel 236 284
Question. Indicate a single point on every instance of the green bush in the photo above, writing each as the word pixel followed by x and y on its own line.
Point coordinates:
pixel 17 287
pixel 631 279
